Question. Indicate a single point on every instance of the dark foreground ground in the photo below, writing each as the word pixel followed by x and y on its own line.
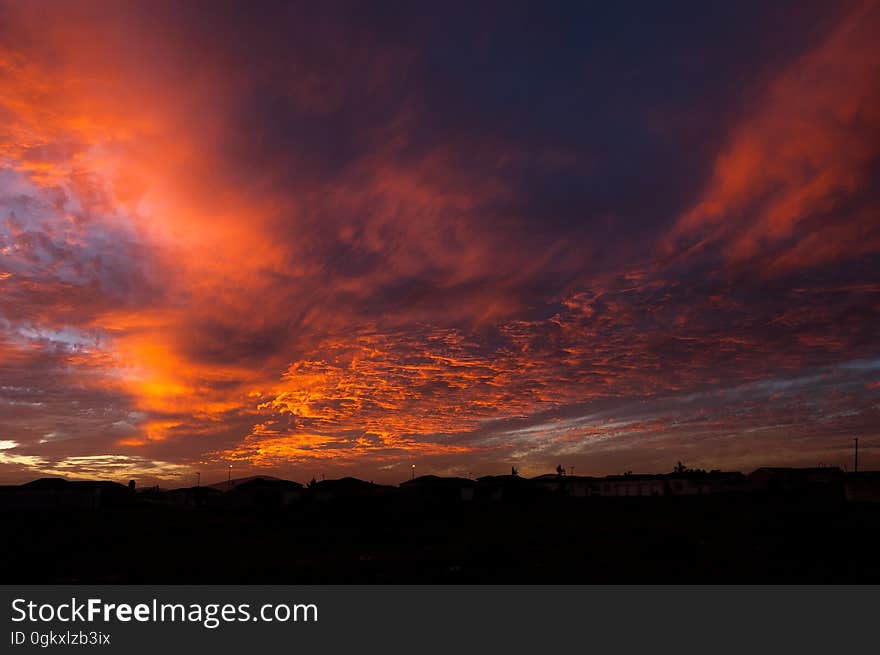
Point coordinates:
pixel 738 539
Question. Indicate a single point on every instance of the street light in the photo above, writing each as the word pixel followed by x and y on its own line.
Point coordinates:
pixel 229 477
pixel 413 474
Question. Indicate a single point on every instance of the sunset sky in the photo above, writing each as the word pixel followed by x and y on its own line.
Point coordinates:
pixel 346 238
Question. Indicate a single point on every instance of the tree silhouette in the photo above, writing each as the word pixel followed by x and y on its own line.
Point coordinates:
pixel 560 470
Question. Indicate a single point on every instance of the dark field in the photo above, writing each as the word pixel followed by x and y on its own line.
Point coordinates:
pixel 729 539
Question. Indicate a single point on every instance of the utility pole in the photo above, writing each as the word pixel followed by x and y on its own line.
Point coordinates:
pixel 198 479
pixel 856 456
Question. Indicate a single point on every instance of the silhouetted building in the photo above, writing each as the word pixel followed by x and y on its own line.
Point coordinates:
pixel 263 493
pixel 432 487
pixel 191 496
pixel 578 486
pixel 57 493
pixel 634 485
pixel 503 487
pixel 680 483
pixel 862 487
pixel 348 487
pixel 785 480
pixel 696 483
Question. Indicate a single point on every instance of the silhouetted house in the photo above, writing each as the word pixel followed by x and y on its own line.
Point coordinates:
pixel 683 483
pixel 226 485
pixel 504 487
pixel 820 480
pixel 192 496
pixel 432 487
pixel 7 493
pixel 326 490
pixel 696 483
pixel 578 486
pixel 634 485
pixel 548 482
pixel 862 487
pixel 263 493
pixel 57 493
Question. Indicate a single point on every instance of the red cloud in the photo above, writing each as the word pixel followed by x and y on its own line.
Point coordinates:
pixel 783 188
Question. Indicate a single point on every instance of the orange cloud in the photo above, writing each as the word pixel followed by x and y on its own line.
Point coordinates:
pixel 783 187
pixel 190 274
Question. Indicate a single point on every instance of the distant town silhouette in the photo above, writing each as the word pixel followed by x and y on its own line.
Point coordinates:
pixel 776 524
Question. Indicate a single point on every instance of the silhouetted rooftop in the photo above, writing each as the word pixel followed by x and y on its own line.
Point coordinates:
pixel 62 484
pixel 267 483
pixel 229 484
pixel 549 477
pixel 801 469
pixel 350 485
pixel 437 481
pixel 197 490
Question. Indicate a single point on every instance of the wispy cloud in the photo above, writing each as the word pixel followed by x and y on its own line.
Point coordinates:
pixel 342 242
